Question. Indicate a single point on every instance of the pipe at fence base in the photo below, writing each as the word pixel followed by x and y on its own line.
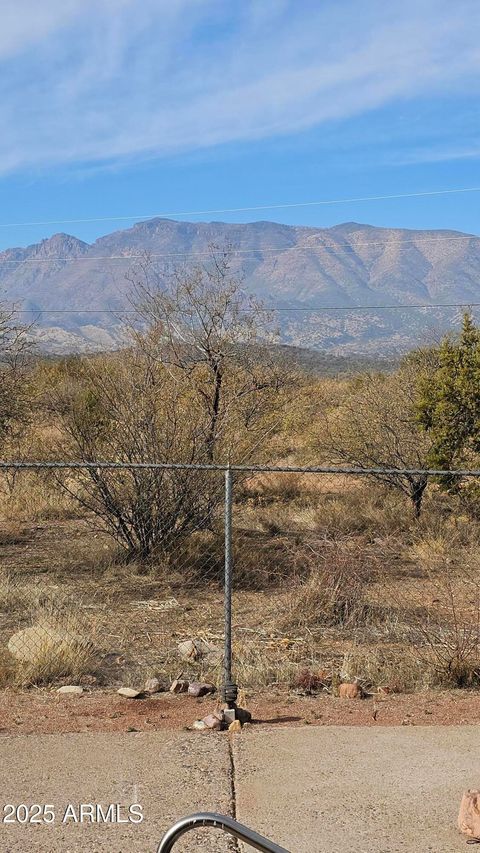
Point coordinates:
pixel 217 821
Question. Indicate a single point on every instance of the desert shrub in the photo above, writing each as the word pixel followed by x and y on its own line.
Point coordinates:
pixel 449 640
pixel 330 588
pixel 442 606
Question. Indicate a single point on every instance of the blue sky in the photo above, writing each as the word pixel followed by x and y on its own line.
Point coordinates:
pixel 114 108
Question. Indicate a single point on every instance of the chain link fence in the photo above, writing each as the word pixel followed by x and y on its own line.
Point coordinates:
pixel 257 576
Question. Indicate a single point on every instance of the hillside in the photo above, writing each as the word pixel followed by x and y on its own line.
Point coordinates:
pixel 290 267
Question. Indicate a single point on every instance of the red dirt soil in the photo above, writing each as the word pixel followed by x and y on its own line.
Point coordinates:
pixel 47 712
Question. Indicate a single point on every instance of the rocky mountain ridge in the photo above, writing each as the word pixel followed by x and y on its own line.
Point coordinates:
pixel 339 289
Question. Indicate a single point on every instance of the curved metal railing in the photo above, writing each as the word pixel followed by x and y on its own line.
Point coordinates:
pixel 217 821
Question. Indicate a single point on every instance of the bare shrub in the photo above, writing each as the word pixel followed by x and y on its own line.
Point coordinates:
pixel 375 427
pixel 450 636
pixel 196 385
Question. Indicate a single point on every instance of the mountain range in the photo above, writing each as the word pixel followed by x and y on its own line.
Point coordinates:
pixel 347 289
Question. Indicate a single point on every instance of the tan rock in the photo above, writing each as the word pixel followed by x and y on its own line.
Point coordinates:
pixel 130 693
pixel 469 814
pixel 179 686
pixel 350 691
pixel 193 649
pixel 154 685
pixel 31 643
pixel 236 726
pixel 73 689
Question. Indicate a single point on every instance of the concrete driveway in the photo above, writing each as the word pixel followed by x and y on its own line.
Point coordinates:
pixel 169 774
pixel 309 789
pixel 368 790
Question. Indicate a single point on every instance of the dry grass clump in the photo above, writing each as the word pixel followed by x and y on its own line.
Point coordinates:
pixel 331 581
pixel 14 595
pixel 55 659
pixel 54 641
pixel 259 666
pixel 34 496
pixel 369 511
pixel 398 670
pixel 329 596
pixel 286 487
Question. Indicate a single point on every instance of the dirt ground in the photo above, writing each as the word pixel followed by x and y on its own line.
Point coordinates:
pixel 46 712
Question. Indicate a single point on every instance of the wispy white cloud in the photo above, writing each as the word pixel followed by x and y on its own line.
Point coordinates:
pixel 105 80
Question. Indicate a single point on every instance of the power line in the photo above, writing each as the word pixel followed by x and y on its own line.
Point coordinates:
pixel 282 206
pixel 121 311
pixel 251 251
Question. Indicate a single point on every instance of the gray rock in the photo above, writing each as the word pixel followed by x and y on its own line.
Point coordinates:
pixel 199 725
pixel 240 714
pixel 229 715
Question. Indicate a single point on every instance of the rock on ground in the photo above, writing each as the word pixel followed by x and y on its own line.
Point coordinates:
pixel 130 693
pixel 74 689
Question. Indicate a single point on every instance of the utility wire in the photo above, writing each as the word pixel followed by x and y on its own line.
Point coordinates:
pixel 282 206
pixel 121 311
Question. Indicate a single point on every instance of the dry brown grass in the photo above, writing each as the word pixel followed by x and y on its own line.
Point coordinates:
pixel 331 575
pixel 31 497
pixel 54 660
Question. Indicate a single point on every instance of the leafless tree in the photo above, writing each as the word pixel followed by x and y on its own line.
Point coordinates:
pixel 374 426
pixel 195 385
pixel 211 336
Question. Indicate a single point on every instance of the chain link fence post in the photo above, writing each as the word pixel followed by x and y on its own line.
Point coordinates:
pixel 230 689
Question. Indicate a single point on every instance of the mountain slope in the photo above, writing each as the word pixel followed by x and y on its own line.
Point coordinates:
pixel 343 267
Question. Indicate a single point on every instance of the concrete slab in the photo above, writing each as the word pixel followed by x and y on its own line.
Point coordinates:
pixel 170 774
pixel 388 790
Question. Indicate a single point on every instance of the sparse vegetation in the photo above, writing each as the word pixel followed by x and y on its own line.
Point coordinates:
pixel 334 576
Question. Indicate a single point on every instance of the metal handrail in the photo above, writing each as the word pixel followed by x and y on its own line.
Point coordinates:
pixel 217 821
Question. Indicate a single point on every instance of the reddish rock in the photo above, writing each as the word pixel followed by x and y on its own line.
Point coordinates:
pixel 215 720
pixel 469 814
pixel 350 691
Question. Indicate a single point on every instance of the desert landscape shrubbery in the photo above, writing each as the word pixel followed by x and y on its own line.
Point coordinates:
pixel 373 577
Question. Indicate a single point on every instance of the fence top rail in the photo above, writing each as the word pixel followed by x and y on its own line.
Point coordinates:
pixel 266 469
